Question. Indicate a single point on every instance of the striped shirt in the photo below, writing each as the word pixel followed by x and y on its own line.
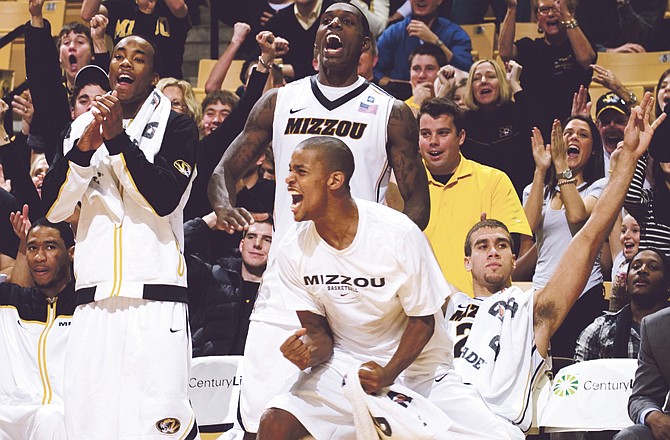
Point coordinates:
pixel 640 204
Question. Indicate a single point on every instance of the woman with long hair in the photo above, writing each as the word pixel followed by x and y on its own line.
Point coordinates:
pixel 568 180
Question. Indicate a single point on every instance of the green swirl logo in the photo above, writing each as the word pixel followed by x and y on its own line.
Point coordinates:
pixel 565 385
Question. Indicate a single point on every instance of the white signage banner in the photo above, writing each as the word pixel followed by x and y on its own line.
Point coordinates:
pixel 588 396
pixel 214 389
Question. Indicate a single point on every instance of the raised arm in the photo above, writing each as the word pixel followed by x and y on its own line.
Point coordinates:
pixel 532 204
pixel 584 53
pixel 20 272
pixel 403 155
pixel 89 8
pixel 506 46
pixel 237 159
pixel 220 69
pixel 554 301
pixel 178 8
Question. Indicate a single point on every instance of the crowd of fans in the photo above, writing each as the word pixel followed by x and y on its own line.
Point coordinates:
pixel 510 139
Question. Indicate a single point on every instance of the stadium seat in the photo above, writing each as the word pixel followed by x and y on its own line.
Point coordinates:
pixel 483 39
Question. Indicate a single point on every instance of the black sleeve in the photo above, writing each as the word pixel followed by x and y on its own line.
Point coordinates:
pixel 9 242
pixel 16 163
pixel 196 232
pixel 52 110
pixel 163 182
pixel 102 60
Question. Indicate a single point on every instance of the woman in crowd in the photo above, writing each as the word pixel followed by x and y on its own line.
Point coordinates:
pixel 181 95
pixel 566 184
pixel 554 65
pixel 651 207
pixel 496 126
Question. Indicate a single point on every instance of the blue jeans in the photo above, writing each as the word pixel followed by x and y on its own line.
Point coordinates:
pixel 472 11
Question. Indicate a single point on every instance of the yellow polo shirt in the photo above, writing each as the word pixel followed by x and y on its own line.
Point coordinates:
pixel 458 205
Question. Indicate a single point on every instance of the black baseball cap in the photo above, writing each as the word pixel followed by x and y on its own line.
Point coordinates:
pixel 611 101
pixel 92 74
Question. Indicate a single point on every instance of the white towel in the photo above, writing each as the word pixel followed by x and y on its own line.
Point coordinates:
pixel 394 412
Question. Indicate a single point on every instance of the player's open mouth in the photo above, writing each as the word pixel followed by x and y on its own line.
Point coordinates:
pixel 124 78
pixel 333 44
pixel 73 62
pixel 296 200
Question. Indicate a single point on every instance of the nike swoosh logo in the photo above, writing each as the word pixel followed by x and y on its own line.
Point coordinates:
pixel 175 331
pixel 439 379
pixel 291 111
pixel 21 324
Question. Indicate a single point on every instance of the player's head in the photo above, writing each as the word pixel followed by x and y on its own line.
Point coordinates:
pixel 648 278
pixel 320 168
pixel 342 36
pixel 255 245
pixel 133 71
pixel 49 250
pixel 489 256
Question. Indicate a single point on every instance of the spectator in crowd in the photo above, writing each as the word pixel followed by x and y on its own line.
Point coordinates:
pixel 220 69
pixel 298 24
pixel 339 95
pixel 164 22
pixel 255 12
pixel 368 60
pixel 647 405
pixel 473 11
pixel 215 142
pixel 222 293
pixel 424 26
pixel 52 71
pixel 460 190
pixel 616 335
pixel 128 259
pixel 216 107
pixel 567 182
pixel 622 251
pixel 611 117
pixel 35 317
pixel 620 25
pixel 424 65
pixel 395 328
pixel 651 207
pixel 181 96
pixel 491 275
pixel 561 58
pixel 497 126
pixel 507 347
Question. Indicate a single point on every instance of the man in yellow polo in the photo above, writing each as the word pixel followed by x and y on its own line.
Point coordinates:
pixel 460 190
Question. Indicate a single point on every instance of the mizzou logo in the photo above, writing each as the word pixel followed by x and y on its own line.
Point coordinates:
pixel 183 167
pixel 168 425
pixel 325 127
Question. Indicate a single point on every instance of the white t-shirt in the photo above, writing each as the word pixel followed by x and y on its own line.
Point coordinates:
pixel 368 290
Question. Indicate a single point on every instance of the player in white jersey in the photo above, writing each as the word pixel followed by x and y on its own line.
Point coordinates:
pixel 381 131
pixel 509 341
pixel 368 290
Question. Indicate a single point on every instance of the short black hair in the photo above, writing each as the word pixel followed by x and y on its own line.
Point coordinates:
pixel 437 107
pixel 336 155
pixel 488 223
pixel 63 229
pixel 429 49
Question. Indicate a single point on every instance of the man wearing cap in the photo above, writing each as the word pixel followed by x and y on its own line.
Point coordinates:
pixel 611 118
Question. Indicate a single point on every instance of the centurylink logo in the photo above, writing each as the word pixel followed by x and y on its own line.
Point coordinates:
pixel 565 385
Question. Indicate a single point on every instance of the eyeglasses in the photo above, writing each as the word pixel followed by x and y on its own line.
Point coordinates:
pixel 545 10
pixel 177 105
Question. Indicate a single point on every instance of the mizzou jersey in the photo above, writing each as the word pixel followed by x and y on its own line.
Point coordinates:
pixel 358 117
pixel 32 349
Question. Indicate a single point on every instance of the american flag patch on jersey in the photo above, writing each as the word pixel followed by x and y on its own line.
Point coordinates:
pixel 368 108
